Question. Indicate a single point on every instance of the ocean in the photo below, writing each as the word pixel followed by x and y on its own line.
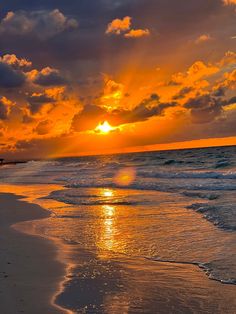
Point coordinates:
pixel 150 232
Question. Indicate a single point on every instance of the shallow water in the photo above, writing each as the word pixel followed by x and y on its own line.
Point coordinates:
pixel 150 247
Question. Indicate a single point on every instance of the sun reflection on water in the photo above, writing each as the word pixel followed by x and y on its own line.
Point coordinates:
pixel 108 210
pixel 107 193
pixel 106 239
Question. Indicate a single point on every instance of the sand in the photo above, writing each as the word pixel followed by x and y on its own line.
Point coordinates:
pixel 30 273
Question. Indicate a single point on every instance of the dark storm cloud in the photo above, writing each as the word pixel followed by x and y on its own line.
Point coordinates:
pixel 37 102
pixel 3 110
pixel 49 77
pixel 182 93
pixel 42 98
pixel 10 78
pixel 148 108
pixel 41 24
pixel 220 92
pixel 207 108
pixel 91 115
pixel 88 118
pixel 232 100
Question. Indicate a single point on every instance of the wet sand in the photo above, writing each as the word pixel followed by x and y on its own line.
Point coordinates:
pixel 29 272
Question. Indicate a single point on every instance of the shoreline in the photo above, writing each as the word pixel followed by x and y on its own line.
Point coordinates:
pixel 30 271
pixel 72 270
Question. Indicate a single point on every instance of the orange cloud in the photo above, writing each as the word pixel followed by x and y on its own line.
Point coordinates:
pixel 202 93
pixel 123 26
pixel 228 59
pixel 5 105
pixel 229 2
pixel 112 94
pixel 195 72
pixel 118 26
pixel 14 61
pixel 136 33
pixel 230 80
pixel 203 38
pixel 44 127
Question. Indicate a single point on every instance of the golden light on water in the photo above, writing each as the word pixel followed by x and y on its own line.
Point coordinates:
pixel 108 228
pixel 107 193
pixel 109 210
pixel 125 176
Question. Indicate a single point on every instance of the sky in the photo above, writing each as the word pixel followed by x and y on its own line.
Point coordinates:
pixel 80 77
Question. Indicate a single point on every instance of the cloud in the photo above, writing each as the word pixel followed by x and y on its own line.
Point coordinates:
pixel 38 101
pixel 15 62
pixel 228 83
pixel 148 108
pixel 9 77
pixel 207 108
pixel 202 95
pixel 198 70
pixel 229 2
pixel 136 33
pixel 27 118
pixel 123 26
pixel 230 80
pixel 88 118
pixel 42 23
pixel 91 115
pixel 203 38
pixel 13 73
pixel 228 59
pixel 49 77
pixel 118 26
pixel 5 108
pixel 43 127
pixel 206 90
pixel 183 92
pixel 232 100
pixel 219 92
pixel 112 94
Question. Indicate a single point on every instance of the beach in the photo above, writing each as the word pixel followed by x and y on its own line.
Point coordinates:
pixel 29 272
pixel 118 157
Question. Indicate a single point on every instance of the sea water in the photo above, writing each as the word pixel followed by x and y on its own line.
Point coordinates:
pixel 149 244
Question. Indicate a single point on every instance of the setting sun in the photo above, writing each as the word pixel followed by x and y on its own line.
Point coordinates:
pixel 104 128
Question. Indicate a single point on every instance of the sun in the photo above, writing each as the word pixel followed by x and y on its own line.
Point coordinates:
pixel 104 128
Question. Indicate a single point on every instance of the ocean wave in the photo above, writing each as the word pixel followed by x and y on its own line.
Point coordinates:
pixel 222 164
pixel 221 215
pixel 189 174
pixel 93 203
pixel 88 198
pixel 211 270
pixel 166 186
pixel 208 196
